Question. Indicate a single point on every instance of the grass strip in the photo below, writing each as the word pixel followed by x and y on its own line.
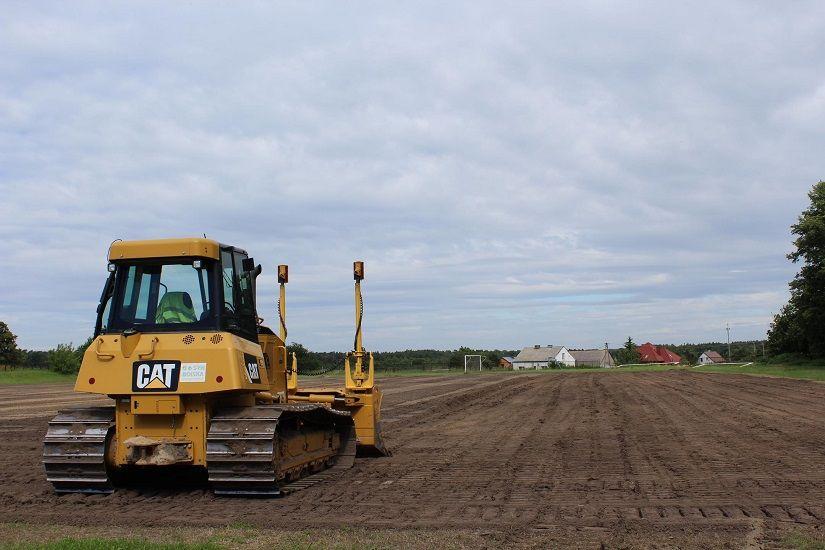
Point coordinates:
pixel 33 376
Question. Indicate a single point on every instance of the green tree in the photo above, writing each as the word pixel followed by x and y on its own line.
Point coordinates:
pixel 64 359
pixel 9 352
pixel 35 359
pixel 81 349
pixel 800 325
pixel 629 353
pixel 310 362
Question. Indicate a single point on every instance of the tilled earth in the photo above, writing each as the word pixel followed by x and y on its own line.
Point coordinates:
pixel 576 459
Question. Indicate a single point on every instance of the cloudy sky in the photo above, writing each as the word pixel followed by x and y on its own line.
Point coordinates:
pixel 511 175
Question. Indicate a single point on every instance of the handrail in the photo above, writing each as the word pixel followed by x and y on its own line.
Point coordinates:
pixel 151 352
pixel 102 356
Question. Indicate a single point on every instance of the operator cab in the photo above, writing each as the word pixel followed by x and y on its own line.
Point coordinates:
pixel 181 294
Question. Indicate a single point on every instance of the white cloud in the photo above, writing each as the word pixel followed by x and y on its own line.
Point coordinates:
pixel 807 111
pixel 511 176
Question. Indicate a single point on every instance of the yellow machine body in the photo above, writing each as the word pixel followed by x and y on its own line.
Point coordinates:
pixel 169 385
pixel 213 373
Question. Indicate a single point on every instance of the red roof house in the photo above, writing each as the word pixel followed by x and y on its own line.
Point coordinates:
pixel 649 354
pixel 669 356
pixel 654 354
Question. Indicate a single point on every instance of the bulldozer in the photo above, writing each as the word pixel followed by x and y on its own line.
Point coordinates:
pixel 198 381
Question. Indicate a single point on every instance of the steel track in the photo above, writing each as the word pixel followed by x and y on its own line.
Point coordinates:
pixel 242 450
pixel 74 450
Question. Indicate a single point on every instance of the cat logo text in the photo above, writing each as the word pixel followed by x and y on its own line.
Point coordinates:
pixel 253 371
pixel 155 376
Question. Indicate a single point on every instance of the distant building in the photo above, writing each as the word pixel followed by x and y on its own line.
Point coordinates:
pixel 657 354
pixel 710 357
pixel 593 358
pixel 539 357
pixel 506 362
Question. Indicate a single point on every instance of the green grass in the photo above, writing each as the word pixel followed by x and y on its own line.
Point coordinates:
pixel 421 372
pixel 379 373
pixel 114 544
pixel 33 376
pixel 806 371
pixel 802 541
pixel 238 534
pixel 633 368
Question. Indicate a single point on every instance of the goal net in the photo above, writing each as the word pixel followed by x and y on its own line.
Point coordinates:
pixel 472 362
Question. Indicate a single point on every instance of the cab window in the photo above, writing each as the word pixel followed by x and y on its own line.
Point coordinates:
pixel 238 293
pixel 228 276
pixel 162 296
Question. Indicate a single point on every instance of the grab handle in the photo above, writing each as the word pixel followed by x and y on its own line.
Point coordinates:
pixel 151 352
pixel 102 356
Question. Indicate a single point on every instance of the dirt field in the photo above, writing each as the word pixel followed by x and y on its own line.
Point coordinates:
pixel 566 459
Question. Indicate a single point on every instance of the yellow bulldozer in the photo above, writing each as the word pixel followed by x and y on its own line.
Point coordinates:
pixel 198 381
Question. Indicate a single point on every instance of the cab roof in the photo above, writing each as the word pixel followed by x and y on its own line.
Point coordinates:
pixel 165 248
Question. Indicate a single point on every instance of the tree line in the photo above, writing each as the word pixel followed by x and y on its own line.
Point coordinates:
pixel 313 362
pixel 797 331
pixel 66 358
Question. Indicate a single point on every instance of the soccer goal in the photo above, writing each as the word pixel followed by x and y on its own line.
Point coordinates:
pixel 471 361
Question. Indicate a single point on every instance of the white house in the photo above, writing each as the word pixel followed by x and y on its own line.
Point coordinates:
pixel 539 357
pixel 710 357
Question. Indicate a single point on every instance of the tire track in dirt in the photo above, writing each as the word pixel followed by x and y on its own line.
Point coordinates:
pixel 558 449
pixel 738 440
pixel 744 433
pixel 768 402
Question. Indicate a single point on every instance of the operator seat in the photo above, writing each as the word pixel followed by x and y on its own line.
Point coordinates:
pixel 175 307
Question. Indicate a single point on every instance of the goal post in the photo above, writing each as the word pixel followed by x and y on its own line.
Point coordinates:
pixel 470 362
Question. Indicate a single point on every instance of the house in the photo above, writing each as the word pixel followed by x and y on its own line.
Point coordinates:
pixel 710 357
pixel 539 357
pixel 506 363
pixel 669 356
pixel 593 358
pixel 657 354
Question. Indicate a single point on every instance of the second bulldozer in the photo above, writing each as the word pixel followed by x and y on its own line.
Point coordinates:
pixel 198 381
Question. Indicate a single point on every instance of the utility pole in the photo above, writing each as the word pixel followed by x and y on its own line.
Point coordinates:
pixel 727 327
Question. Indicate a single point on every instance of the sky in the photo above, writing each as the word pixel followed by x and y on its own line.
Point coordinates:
pixel 511 173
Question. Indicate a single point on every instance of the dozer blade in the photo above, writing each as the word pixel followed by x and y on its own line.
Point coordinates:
pixel 377 447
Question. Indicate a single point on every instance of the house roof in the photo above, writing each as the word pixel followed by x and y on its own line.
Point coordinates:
pixel 508 359
pixel 588 355
pixel 669 356
pixel 660 354
pixel 714 356
pixel 534 354
pixel 649 353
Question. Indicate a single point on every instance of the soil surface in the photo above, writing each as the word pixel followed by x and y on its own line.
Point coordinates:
pixel 572 459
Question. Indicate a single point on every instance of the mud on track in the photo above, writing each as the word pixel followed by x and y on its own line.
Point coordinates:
pixel 690 452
